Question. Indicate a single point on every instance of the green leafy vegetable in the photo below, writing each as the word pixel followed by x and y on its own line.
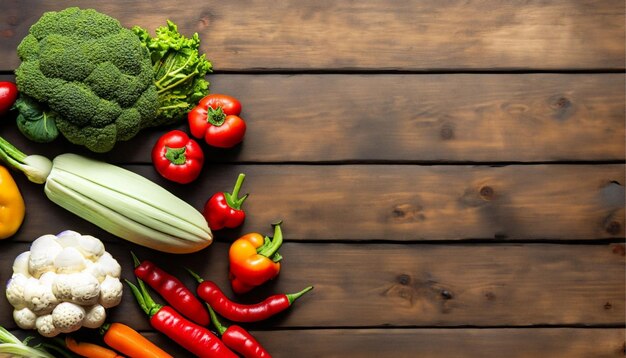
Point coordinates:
pixel 94 73
pixel 35 122
pixel 179 71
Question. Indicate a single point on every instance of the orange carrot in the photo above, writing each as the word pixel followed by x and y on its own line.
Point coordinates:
pixel 89 350
pixel 130 342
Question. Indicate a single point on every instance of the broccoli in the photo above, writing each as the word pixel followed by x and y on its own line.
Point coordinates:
pixel 90 74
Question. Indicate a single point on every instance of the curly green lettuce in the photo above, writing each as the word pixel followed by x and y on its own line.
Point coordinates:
pixel 179 71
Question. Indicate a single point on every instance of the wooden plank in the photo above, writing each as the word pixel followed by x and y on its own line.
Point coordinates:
pixel 408 35
pixel 437 343
pixel 420 118
pixel 395 202
pixel 397 285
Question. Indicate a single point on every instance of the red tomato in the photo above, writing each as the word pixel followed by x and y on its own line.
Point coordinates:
pixel 8 95
pixel 216 119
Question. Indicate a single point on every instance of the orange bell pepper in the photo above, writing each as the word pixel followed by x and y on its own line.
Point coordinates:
pixel 12 208
pixel 254 260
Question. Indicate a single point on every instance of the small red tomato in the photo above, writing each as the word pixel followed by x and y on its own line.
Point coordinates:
pixel 8 95
pixel 216 119
pixel 177 157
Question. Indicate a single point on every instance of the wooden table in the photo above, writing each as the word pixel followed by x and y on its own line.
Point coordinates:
pixel 450 174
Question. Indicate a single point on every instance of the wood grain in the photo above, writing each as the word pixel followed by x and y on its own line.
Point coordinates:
pixel 395 202
pixel 395 285
pixel 405 35
pixel 437 343
pixel 420 118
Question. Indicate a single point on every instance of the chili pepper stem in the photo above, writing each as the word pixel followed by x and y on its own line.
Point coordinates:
pixel 294 296
pixel 146 302
pixel 195 275
pixel 274 244
pixel 218 325
pixel 136 261
pixel 233 199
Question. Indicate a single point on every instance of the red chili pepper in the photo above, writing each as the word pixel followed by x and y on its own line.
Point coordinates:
pixel 238 339
pixel 216 119
pixel 215 297
pixel 254 260
pixel 177 157
pixel 224 209
pixel 196 339
pixel 172 290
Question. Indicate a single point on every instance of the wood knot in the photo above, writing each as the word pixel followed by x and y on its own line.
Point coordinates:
pixel 403 289
pixel 446 132
pixel 407 213
pixel 447 295
pixel 608 306
pixel 7 33
pixel 619 249
pixel 562 106
pixel 490 296
pixel 487 193
pixel 561 102
pixel 613 228
pixel 404 279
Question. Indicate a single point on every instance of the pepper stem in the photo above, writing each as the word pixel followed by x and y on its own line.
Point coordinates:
pixel 215 116
pixel 219 326
pixel 291 297
pixel 271 248
pixel 176 156
pixel 136 261
pixel 195 275
pixel 142 295
pixel 232 199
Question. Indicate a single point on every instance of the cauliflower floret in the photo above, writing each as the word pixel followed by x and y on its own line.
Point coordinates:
pixel 15 290
pixel 90 247
pixel 110 292
pixel 20 264
pixel 105 266
pixel 39 297
pixel 42 253
pixel 68 317
pixel 45 326
pixel 25 318
pixel 94 316
pixel 69 260
pixel 80 288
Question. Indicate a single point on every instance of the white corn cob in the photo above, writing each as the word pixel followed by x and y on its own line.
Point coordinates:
pixel 126 205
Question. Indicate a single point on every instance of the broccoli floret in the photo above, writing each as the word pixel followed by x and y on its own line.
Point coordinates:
pixel 92 72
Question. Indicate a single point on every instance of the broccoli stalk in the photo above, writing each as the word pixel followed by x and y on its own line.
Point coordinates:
pixel 179 71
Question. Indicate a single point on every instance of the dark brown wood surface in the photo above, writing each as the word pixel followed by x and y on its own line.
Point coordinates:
pixel 450 174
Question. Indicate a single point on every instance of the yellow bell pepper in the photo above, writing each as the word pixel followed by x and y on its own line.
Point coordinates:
pixel 12 208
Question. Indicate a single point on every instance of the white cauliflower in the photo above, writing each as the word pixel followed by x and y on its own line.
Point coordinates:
pixel 63 283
